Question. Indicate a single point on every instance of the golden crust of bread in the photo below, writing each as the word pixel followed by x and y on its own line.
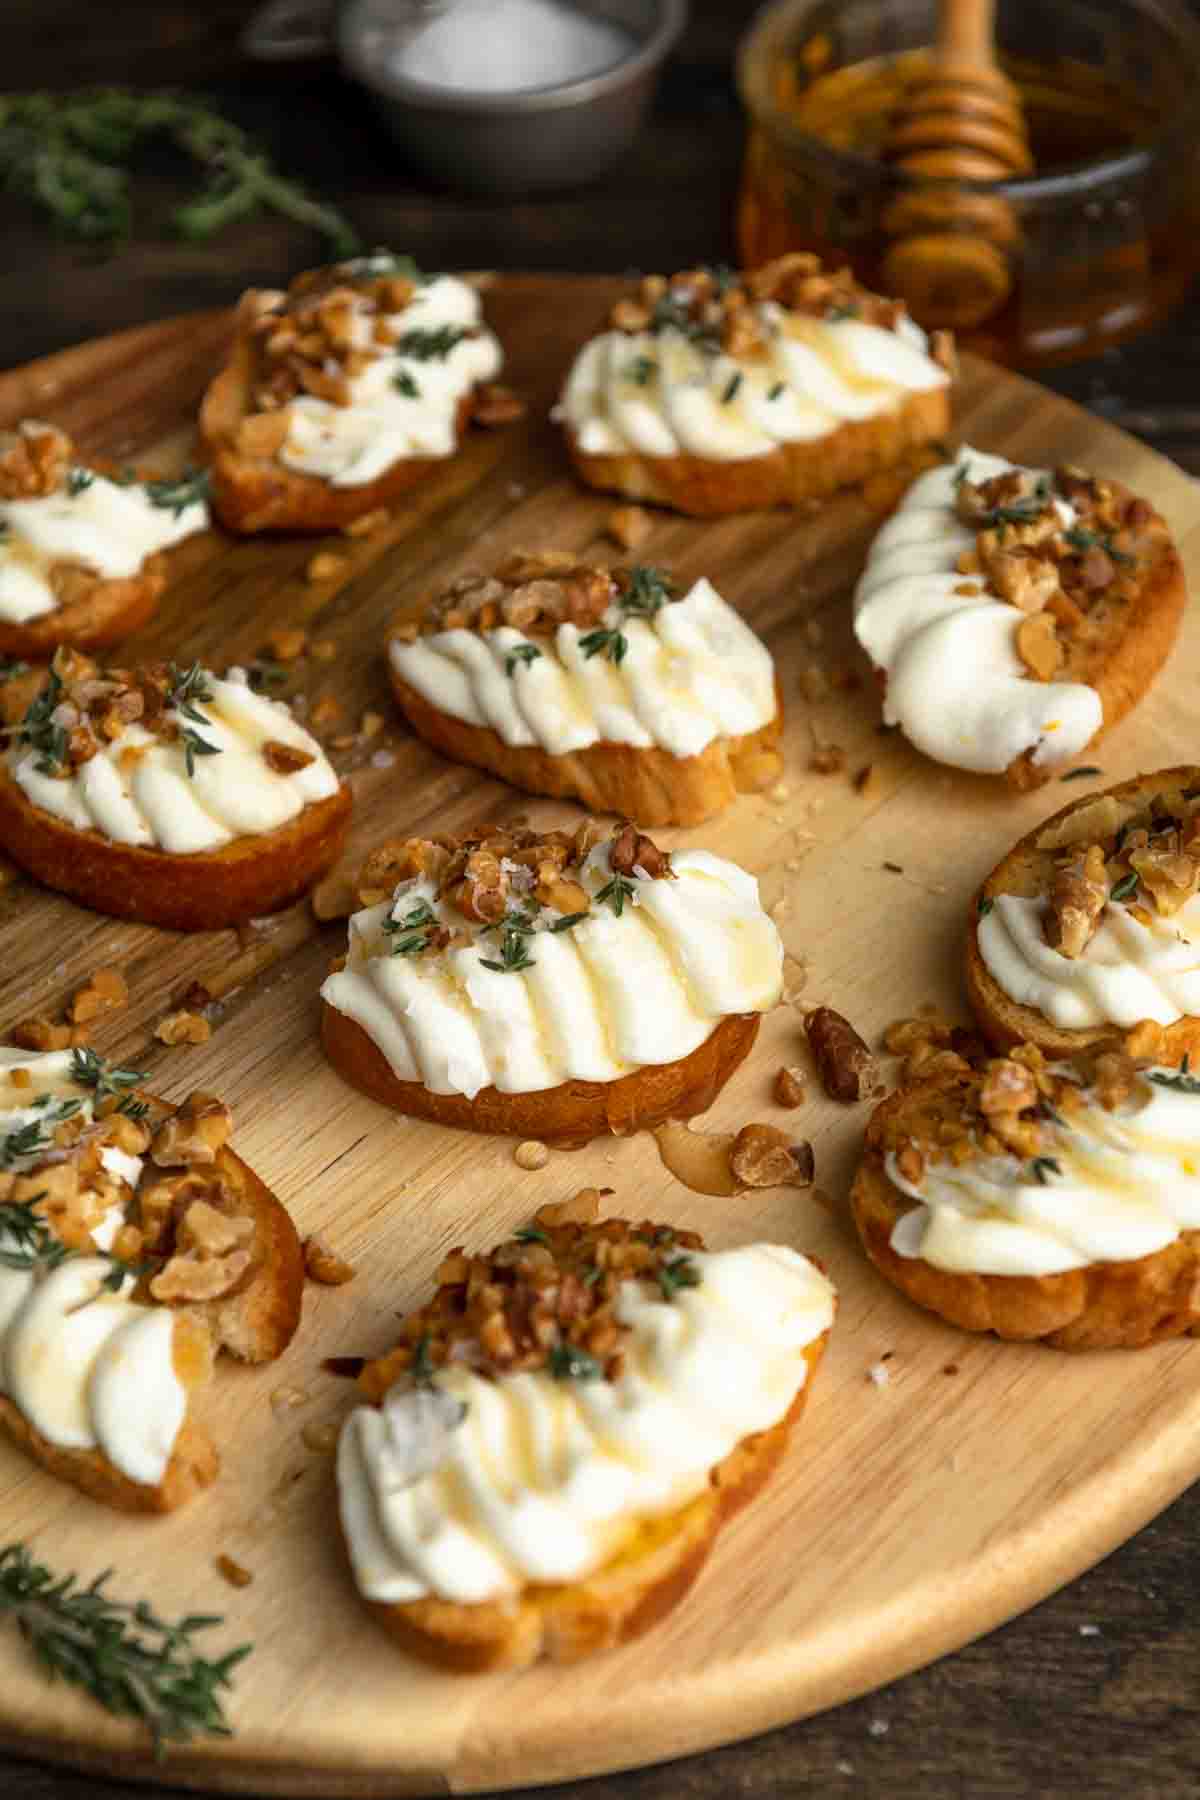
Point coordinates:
pixel 1104 1306
pixel 193 1466
pixel 1125 646
pixel 650 785
pixel 200 892
pixel 1027 870
pixel 620 1601
pixel 257 1321
pixel 571 1113
pixel 98 614
pixel 259 493
pixel 789 475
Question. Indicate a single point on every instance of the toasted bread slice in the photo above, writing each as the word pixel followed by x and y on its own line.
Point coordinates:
pixel 1100 1306
pixel 1031 870
pixel 93 614
pixel 653 1558
pixel 194 1465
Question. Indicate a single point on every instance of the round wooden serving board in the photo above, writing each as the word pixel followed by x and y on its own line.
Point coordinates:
pixel 907 1518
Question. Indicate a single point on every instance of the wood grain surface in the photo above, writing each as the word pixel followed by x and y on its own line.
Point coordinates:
pixel 907 1518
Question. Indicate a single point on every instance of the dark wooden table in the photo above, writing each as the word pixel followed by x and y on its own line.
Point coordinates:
pixel 1098 1689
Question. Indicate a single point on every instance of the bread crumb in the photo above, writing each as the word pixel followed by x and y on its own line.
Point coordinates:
pixel 324 650
pixel 629 526
pixel 325 566
pixel 372 521
pixel 879 1374
pixel 183 1028
pixel 287 642
pixel 104 991
pixel 383 759
pixel 233 1572
pixel 532 1154
pixel 324 1265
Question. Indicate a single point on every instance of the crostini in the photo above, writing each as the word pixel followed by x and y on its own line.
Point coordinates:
pixel 1014 615
pixel 554 986
pixel 81 552
pixel 476 1542
pixel 1054 1201
pixel 342 393
pixel 609 686
pixel 171 796
pixel 134 1246
pixel 716 393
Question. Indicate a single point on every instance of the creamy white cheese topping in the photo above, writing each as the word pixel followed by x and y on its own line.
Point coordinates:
pixel 660 394
pixel 608 996
pixel 137 790
pixel 693 672
pixel 350 445
pixel 87 1367
pixel 544 1479
pixel 104 527
pixel 1128 971
pixel 1126 1185
pixel 955 684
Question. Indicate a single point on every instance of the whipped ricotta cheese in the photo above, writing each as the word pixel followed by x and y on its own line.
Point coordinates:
pixel 693 672
pixel 103 526
pixel 955 684
pixel 1127 1183
pixel 1128 970
pixel 661 394
pixel 137 789
pixel 402 403
pixel 611 994
pixel 544 1479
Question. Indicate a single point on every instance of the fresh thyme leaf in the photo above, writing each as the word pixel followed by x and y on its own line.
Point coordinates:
pixel 1045 1166
pixel 1083 774
pixel 567 1362
pixel 1017 512
pixel 680 1272
pixel 38 730
pixel 1183 1083
pixel 1127 885
pixel 641 370
pixel 847 310
pixel 1081 538
pixel 567 921
pixel 521 653
pixel 775 390
pixel 985 906
pixel 193 746
pixel 647 591
pixel 134 1663
pixel 616 892
pixel 262 672
pixel 27 1239
pixel 65 154
pixel 530 1234
pixel 404 383
pixel 606 639
pixel 514 952
pixel 425 345
pixel 176 494
pixel 731 388
pixel 185 688
pixel 107 1081
pixel 10 668
pixel 412 931
pixel 78 481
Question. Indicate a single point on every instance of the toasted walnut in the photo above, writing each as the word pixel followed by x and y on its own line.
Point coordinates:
pixel 1026 580
pixel 1114 1078
pixel 762 1156
pixel 322 1264
pixel 285 759
pixel 204 1228
pixel 1146 1042
pixel 233 1572
pixel 1006 1088
pixel 495 404
pixel 1078 897
pixel 194 1134
pixel 34 460
pixel 847 1069
pixel 482 891
pixel 633 853
pixel 789 1087
pixel 325 566
pixel 103 992
pixel 189 1277
pixel 183 1028
pixel 1169 874
pixel 41 1034
pixel 1038 646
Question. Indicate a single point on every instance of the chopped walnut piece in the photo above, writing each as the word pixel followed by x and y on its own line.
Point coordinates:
pixel 1114 1078
pixel 1169 874
pixel 326 712
pixel 183 1028
pixel 325 566
pixel 911 1164
pixel 1006 1088
pixel 762 1156
pixel 1077 900
pixel 1147 1042
pixel 34 460
pixel 104 991
pixel 285 759
pixel 789 1087
pixel 1038 646
pixel 287 643
pixel 629 526
pixel 194 1134
pixel 632 852
pixel 233 1572
pixel 322 1264
pixel 494 404
pixel 847 1069
pixel 41 1034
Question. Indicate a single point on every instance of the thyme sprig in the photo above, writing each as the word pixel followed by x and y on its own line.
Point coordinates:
pixel 1043 1167
pixel 38 730
pixel 616 892
pixel 429 345
pixel 647 591
pixel 1128 884
pixel 107 1081
pixel 520 653
pixel 515 928
pixel 606 640
pixel 412 932
pixel 680 1272
pixel 79 481
pixel 125 1656
pixel 404 383
pixel 30 1138
pixel 176 493
pixel 1080 537
pixel 193 746
pixel 186 688
pixel 26 1239
pixel 1182 1081
pixel 68 154
pixel 641 370
pixel 567 1362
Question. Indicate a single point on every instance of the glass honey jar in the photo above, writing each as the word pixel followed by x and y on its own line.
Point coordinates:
pixel 1099 243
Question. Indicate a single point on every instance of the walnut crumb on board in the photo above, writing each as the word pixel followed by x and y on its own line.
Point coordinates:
pixel 629 526
pixel 183 1028
pixel 789 1087
pixel 847 1068
pixel 233 1572
pixel 287 642
pixel 762 1156
pixel 104 991
pixel 323 1265
pixel 325 566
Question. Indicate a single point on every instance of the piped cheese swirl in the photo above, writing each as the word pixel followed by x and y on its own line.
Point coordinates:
pixel 545 1479
pixel 1127 1183
pixel 88 1368
pixel 1128 971
pixel 955 684
pixel 611 994
pixel 137 790
pixel 693 672
pixel 105 527
pixel 384 422
pixel 660 394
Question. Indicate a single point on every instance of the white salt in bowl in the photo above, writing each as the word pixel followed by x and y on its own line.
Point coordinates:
pixel 483 102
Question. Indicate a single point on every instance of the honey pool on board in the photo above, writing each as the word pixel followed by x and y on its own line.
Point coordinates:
pixel 1078 270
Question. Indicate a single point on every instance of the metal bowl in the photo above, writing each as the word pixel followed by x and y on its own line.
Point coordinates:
pixel 523 142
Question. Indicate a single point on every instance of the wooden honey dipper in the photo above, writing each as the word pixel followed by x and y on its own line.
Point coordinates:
pixel 960 120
